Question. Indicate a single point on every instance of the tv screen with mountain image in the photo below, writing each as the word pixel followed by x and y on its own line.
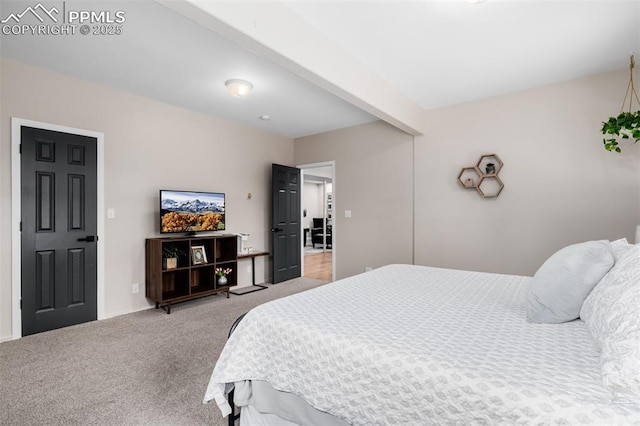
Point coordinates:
pixel 191 212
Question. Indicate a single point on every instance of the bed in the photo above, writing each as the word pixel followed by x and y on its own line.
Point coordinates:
pixel 406 344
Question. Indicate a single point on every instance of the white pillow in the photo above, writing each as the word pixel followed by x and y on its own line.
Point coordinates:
pixel 563 282
pixel 620 247
pixel 612 315
pixel 620 356
pixel 598 307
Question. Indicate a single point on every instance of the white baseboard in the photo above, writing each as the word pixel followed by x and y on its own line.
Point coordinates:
pixel 117 314
pixel 112 315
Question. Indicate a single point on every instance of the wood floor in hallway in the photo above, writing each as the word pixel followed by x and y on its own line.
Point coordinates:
pixel 318 266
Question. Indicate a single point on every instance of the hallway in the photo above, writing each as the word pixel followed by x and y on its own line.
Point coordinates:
pixel 318 266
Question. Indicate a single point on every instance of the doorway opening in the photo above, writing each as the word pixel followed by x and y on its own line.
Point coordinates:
pixel 318 220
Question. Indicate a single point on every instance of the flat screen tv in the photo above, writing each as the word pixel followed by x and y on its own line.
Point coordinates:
pixel 191 212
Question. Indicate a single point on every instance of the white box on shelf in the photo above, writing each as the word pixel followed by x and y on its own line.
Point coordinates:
pixel 241 242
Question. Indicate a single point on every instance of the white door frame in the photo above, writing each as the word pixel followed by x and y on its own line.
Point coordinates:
pixel 302 168
pixel 16 214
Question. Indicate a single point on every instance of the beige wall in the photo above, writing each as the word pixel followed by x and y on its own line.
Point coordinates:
pixel 148 145
pixel 312 202
pixel 561 186
pixel 374 179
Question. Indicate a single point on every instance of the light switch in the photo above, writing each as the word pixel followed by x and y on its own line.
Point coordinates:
pixel 347 213
pixel 111 213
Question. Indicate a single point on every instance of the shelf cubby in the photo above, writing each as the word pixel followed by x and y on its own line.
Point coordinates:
pixel 469 177
pixel 490 186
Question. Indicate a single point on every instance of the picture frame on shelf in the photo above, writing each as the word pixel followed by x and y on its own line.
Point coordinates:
pixel 198 255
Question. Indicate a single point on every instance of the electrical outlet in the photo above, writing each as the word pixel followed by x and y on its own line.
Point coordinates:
pixel 135 288
pixel 368 268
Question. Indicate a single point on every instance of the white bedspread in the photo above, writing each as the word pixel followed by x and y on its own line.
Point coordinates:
pixel 417 345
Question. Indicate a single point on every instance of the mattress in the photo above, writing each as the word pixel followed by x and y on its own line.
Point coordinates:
pixel 408 344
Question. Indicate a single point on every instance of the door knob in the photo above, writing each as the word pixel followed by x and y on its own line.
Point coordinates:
pixel 277 229
pixel 89 238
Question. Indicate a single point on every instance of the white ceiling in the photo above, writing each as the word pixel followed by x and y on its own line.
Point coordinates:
pixel 436 53
pixel 440 53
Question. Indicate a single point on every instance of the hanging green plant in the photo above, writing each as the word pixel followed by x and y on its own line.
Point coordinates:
pixel 627 124
pixel 624 126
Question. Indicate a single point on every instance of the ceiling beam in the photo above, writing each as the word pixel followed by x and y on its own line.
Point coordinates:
pixel 274 31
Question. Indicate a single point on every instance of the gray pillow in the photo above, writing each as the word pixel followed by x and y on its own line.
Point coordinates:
pixel 564 281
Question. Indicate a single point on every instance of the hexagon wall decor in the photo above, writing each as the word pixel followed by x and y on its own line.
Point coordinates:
pixel 483 177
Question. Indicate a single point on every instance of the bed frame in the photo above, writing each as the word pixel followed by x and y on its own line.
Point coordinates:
pixel 233 416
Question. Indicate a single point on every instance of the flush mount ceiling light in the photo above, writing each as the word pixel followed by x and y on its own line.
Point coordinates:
pixel 238 87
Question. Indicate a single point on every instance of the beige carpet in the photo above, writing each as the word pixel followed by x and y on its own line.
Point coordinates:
pixel 145 368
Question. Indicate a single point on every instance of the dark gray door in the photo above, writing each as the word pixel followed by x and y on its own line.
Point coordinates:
pixel 59 229
pixel 286 244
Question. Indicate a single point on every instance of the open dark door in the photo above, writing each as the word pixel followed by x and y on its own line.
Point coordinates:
pixel 59 226
pixel 285 223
